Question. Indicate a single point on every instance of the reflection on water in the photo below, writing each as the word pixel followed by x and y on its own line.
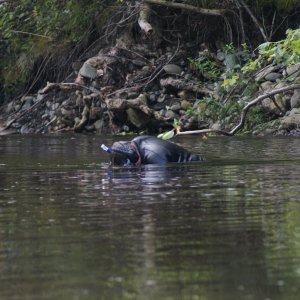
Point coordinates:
pixel 73 228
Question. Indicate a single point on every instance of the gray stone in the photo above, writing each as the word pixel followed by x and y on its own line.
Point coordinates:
pixel 293 69
pixel 152 98
pixel 170 114
pixel 138 63
pixel 172 69
pixel 66 112
pixel 27 103
pixel 295 100
pixel 95 113
pixel 230 61
pixel 88 71
pixel 17 107
pixel 9 108
pixel 262 74
pixel 185 104
pixel 175 107
pixel 161 98
pixel 273 76
pixel 132 95
pixel 220 55
pixel 25 129
pixel 27 99
pixel 162 112
pixel 292 120
pixel 266 86
pixel 137 117
pixel 217 126
pixel 188 76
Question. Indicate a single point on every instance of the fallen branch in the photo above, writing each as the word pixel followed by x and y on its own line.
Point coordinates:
pixel 204 11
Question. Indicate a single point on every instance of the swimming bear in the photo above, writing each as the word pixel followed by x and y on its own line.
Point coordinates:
pixel 144 150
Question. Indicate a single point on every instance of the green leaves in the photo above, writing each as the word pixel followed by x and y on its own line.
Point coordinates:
pixel 166 135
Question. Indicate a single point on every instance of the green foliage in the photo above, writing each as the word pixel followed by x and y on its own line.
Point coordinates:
pixel 206 66
pixel 285 52
pixel 31 29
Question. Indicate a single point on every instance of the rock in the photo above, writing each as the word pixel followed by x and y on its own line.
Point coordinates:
pixel 293 69
pixel 262 74
pixel 266 86
pixel 152 98
pixel 292 120
pixel 161 98
pixel 66 112
pixel 295 100
pixel 17 107
pixel 88 71
pixel 188 76
pixel 217 126
pixel 27 103
pixel 172 69
pixel 95 113
pixel 170 114
pixel 138 63
pixel 273 76
pixel 163 112
pixel 9 108
pixel 183 94
pixel 137 117
pixel 132 95
pixel 175 107
pixel 220 55
pixel 230 61
pixel 25 129
pixel 185 104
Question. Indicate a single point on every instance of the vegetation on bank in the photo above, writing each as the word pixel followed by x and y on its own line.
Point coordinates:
pixel 237 81
pixel 236 40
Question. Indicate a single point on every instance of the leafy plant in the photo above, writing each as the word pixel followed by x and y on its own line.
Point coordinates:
pixel 206 66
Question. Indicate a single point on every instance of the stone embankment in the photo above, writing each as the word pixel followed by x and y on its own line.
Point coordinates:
pixel 134 89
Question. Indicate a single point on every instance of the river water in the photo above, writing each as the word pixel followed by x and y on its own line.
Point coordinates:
pixel 73 228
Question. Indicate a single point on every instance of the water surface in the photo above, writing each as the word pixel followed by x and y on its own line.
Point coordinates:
pixel 73 228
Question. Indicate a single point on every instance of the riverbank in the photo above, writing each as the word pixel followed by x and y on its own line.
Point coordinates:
pixel 150 82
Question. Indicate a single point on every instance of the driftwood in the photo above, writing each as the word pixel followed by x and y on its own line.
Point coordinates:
pixel 244 113
pixel 181 84
pixel 204 11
